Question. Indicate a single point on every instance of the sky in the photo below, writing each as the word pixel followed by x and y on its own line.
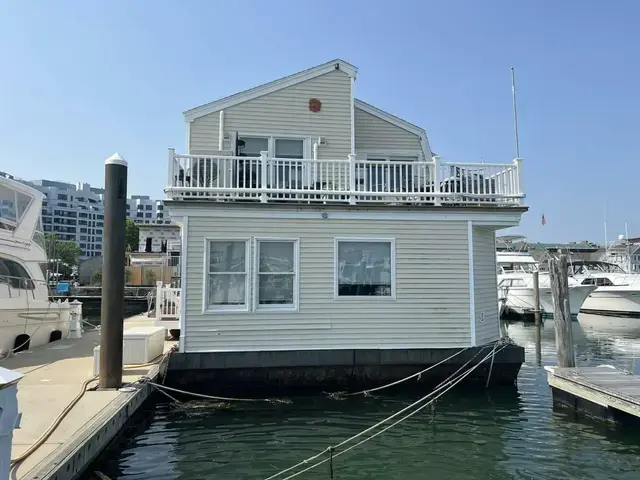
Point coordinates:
pixel 81 80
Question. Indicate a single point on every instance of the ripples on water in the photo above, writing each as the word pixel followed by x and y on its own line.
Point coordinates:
pixel 510 433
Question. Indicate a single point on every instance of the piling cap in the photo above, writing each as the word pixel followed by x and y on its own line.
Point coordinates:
pixel 116 159
pixel 9 377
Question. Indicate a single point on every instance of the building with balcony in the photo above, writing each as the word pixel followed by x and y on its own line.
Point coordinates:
pixel 73 213
pixel 319 230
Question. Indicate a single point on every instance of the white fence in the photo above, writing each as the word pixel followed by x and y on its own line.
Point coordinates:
pixel 167 305
pixel 347 180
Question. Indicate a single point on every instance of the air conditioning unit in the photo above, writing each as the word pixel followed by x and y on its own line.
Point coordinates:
pixel 322 140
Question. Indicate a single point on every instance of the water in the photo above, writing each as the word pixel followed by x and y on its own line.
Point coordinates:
pixel 510 433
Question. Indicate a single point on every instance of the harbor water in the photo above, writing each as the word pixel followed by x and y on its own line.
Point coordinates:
pixel 506 433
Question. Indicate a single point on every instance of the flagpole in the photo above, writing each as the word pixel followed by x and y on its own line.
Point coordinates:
pixel 515 110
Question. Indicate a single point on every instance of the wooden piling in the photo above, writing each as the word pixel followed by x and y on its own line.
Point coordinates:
pixel 537 314
pixel 562 312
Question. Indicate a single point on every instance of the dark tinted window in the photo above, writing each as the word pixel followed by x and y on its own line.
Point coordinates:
pixel 14 274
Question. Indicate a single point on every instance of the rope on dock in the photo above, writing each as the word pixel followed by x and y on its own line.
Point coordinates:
pixel 443 388
pixel 43 438
pixel 417 374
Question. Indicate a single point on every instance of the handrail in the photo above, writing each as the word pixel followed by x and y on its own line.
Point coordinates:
pixel 349 180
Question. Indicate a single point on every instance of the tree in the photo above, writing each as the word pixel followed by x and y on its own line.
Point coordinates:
pixel 96 278
pixel 132 236
pixel 66 252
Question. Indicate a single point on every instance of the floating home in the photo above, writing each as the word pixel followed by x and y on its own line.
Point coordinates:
pixel 325 244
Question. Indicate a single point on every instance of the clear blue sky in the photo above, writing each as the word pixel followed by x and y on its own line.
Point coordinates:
pixel 80 80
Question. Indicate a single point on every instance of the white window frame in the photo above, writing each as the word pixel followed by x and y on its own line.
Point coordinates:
pixel 206 308
pixel 336 269
pixel 257 308
pixel 271 142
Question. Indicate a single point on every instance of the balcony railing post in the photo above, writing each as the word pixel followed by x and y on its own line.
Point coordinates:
pixel 518 167
pixel 436 180
pixel 352 178
pixel 263 176
pixel 170 171
pixel 159 300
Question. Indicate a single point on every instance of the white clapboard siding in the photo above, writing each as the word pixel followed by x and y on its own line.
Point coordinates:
pixel 286 112
pixel 486 297
pixel 431 309
pixel 374 133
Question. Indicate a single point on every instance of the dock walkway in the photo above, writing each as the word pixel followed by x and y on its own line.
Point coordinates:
pixel 604 391
pixel 54 377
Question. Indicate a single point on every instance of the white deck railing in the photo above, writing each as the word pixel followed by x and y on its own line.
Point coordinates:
pixel 167 303
pixel 268 179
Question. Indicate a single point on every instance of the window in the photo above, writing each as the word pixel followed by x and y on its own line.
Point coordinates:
pixel 277 273
pixel 147 215
pixel 288 175
pixel 252 146
pixel 15 275
pixel 365 268
pixel 148 207
pixel 227 272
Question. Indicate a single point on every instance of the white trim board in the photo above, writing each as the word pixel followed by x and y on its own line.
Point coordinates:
pixel 472 284
pixel 226 102
pixel 183 282
pixel 505 218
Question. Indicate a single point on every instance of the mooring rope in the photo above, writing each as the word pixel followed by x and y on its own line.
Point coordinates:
pixel 397 382
pixel 445 385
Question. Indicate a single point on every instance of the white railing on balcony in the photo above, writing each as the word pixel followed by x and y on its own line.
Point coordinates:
pixel 349 180
pixel 167 302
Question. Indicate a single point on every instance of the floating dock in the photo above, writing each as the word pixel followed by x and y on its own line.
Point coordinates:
pixel 601 392
pixel 54 376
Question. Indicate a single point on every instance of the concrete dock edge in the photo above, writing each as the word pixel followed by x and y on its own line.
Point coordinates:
pixel 73 457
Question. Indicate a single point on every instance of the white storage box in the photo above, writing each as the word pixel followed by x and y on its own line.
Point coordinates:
pixel 142 344
pixel 96 361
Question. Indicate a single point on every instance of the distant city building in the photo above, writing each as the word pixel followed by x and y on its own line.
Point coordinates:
pixel 142 209
pixel 75 212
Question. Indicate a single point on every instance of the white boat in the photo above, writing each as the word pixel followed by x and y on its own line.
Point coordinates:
pixel 515 285
pixel 617 292
pixel 27 318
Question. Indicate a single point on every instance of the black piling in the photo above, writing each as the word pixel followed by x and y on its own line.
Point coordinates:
pixel 113 251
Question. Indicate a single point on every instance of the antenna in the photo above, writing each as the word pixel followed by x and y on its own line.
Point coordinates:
pixel 605 228
pixel 515 110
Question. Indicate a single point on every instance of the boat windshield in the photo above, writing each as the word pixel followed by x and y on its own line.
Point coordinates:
pixel 589 268
pixel 13 204
pixel 38 236
pixel 520 267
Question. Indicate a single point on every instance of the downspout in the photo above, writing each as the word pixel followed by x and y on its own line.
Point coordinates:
pixel 353 120
pixel 221 131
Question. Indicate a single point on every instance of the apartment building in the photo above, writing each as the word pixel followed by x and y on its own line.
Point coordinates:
pixel 73 213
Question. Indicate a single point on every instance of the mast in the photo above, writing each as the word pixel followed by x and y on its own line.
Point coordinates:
pixel 515 111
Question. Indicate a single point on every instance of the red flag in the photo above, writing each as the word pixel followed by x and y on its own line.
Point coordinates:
pixel 544 220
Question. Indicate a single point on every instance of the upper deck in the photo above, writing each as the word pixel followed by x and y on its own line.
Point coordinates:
pixel 347 180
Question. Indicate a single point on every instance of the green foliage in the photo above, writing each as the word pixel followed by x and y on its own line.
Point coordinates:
pixel 66 252
pixel 132 236
pixel 149 277
pixel 96 278
pixel 128 275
